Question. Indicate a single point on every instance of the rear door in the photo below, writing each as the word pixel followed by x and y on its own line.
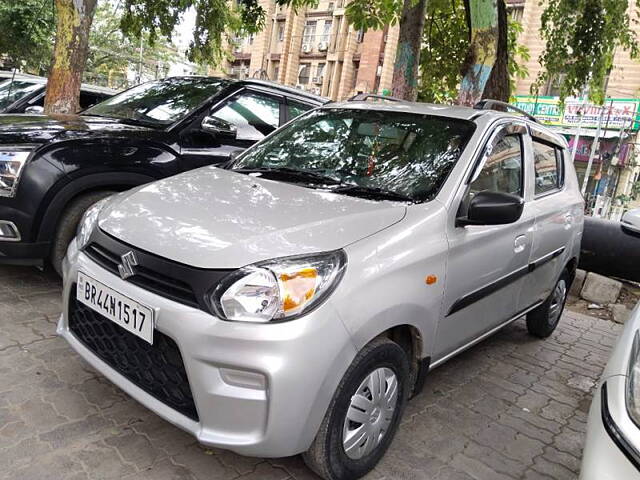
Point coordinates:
pixel 487 263
pixel 554 206
pixel 253 113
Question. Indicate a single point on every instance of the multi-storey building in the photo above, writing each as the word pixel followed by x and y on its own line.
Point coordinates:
pixel 317 50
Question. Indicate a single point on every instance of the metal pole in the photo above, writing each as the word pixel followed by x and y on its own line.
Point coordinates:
pixel 576 139
pixel 594 145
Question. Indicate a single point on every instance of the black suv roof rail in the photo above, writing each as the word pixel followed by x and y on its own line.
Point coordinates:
pixel 361 97
pixel 490 104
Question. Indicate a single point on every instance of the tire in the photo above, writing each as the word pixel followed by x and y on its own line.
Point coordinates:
pixel 327 456
pixel 68 225
pixel 543 320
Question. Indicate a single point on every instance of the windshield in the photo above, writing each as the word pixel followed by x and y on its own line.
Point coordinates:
pixel 13 90
pixel 404 154
pixel 159 103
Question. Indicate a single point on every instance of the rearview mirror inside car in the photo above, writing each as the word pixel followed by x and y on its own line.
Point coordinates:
pixel 492 208
pixel 218 127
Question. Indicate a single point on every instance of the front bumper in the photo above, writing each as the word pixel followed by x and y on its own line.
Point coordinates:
pixel 259 389
pixel 22 253
pixel 613 440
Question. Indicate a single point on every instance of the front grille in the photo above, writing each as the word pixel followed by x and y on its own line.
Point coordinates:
pixel 144 277
pixel 178 282
pixel 158 369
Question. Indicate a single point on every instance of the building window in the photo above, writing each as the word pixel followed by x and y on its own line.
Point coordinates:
pixel 276 70
pixel 326 31
pixel 305 73
pixel 280 31
pixel 516 12
pixel 309 33
pixel 331 6
pixel 359 36
pixel 320 70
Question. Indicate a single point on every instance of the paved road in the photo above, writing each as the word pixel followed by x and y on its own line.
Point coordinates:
pixel 512 407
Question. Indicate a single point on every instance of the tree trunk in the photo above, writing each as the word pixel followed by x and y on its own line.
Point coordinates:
pixel 483 21
pixel 73 22
pixel 498 87
pixel 405 69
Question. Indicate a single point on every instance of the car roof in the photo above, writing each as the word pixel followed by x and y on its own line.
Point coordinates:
pixel 450 111
pixel 8 75
pixel 317 99
pixel 290 90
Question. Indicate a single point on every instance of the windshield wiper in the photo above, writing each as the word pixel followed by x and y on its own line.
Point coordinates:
pixel 293 174
pixel 372 193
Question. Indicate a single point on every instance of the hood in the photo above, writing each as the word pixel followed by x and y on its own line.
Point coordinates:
pixel 18 129
pixel 214 218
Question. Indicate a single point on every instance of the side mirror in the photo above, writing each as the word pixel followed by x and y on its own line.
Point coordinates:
pixel 492 208
pixel 34 110
pixel 631 220
pixel 218 127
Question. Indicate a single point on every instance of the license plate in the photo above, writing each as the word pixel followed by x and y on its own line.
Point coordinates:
pixel 127 313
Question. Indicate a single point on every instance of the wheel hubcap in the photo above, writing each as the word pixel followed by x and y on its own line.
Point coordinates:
pixel 557 301
pixel 370 413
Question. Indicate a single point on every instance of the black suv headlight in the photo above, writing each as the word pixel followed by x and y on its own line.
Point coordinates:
pixel 12 162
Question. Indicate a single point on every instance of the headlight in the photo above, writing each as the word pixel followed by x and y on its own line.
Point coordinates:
pixel 281 289
pixel 88 223
pixel 12 160
pixel 633 381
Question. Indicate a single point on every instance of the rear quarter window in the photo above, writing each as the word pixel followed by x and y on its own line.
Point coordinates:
pixel 548 167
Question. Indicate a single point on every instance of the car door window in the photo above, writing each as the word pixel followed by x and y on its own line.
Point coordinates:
pixel 254 115
pixel 295 109
pixel 502 171
pixel 547 162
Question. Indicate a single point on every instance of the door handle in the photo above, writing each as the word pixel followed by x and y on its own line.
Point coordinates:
pixel 520 243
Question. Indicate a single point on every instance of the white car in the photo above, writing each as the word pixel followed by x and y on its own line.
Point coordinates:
pixel 612 448
pixel 295 300
pixel 631 220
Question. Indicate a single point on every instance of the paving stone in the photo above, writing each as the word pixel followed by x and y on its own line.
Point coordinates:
pixel 512 407
pixel 600 289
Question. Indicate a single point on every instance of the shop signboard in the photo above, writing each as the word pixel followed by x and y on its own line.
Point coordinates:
pixel 616 113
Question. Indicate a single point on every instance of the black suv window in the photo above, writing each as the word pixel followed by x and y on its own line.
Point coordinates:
pixel 254 115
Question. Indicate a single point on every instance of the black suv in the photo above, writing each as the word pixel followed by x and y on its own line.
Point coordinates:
pixel 52 168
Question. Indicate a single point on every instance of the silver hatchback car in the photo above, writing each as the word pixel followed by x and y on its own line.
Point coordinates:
pixel 294 300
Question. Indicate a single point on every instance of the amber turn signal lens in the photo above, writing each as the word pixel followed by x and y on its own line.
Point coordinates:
pixel 298 288
pixel 430 279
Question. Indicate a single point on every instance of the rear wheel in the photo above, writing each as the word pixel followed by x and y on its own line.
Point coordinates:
pixel 543 320
pixel 364 413
pixel 68 225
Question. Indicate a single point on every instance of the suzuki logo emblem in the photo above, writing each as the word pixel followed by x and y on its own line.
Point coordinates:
pixel 129 261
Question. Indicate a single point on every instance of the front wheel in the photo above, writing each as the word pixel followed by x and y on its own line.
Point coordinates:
pixel 363 415
pixel 543 320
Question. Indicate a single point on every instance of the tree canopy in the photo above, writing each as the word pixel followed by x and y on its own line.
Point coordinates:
pixel 27 28
pixel 581 38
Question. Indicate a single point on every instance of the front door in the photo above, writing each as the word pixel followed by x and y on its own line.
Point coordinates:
pixel 486 263
pixel 254 115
